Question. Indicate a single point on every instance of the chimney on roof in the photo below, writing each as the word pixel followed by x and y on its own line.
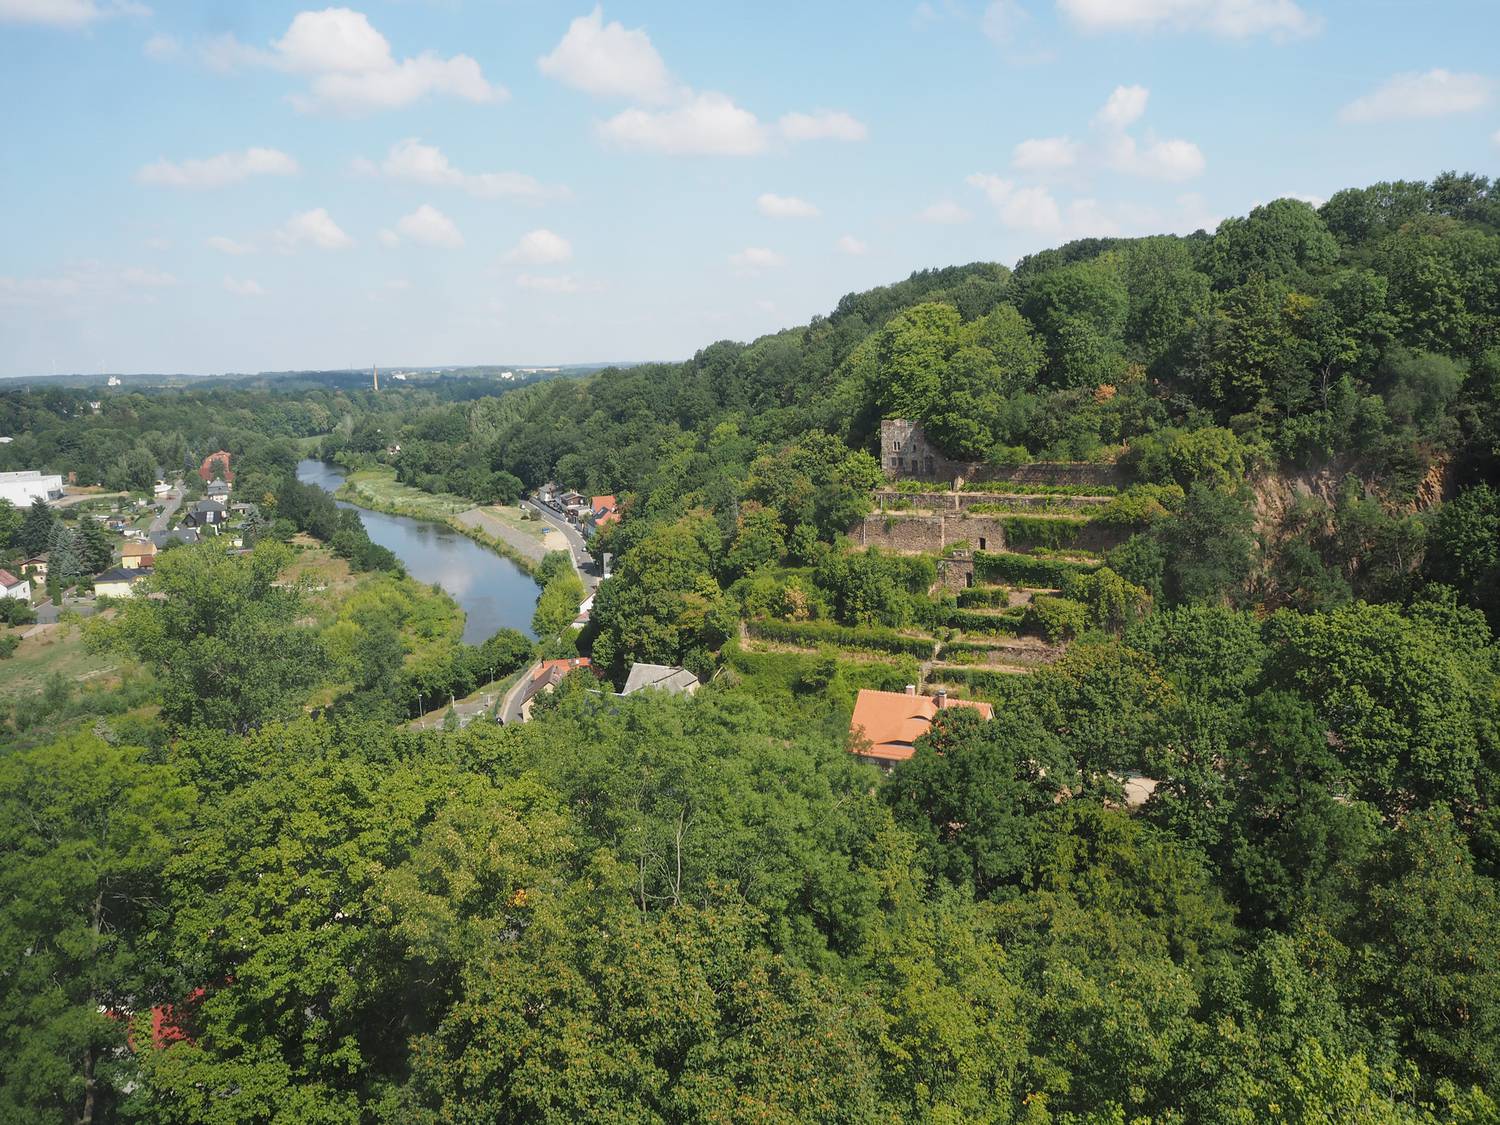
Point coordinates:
pixel 942 698
pixel 911 689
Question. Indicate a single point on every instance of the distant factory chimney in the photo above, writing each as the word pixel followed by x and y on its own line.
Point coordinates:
pixel 375 377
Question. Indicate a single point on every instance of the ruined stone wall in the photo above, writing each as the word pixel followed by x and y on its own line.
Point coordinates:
pixel 897 531
pixel 906 453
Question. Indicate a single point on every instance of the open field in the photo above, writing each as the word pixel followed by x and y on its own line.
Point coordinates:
pixel 51 650
pixel 379 489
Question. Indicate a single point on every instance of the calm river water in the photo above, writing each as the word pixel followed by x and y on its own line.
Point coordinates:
pixel 492 591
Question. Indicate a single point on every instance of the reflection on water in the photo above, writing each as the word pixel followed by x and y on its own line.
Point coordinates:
pixel 492 591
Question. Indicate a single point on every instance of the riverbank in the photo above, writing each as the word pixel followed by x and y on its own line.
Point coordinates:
pixel 495 527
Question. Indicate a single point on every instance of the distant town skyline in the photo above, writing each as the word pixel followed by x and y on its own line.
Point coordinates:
pixel 201 188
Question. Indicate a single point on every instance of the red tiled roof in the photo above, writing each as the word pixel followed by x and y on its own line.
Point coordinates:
pixel 892 721
pixel 563 666
pixel 603 504
pixel 207 469
pixel 7 579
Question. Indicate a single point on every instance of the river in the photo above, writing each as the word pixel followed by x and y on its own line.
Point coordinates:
pixel 492 591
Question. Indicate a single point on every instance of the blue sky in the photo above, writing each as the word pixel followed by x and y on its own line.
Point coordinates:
pixel 232 186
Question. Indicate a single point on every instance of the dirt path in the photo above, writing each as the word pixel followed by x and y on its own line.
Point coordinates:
pixel 532 547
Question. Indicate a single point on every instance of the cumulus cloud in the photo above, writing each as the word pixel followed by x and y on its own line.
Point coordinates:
pixel 1036 212
pixel 217 171
pixel 225 245
pixel 785 207
pixel 313 228
pixel 1232 19
pixel 848 244
pixel 753 259
pixel 1045 154
pixel 707 124
pixel 539 248
pixel 1413 96
pixel 419 163
pixel 246 287
pixel 822 125
pixel 1158 160
pixel 66 13
pixel 350 66
pixel 427 226
pixel 1023 208
pixel 943 212
pixel 608 59
pixel 1124 106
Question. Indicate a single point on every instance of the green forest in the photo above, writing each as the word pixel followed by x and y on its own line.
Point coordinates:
pixel 238 885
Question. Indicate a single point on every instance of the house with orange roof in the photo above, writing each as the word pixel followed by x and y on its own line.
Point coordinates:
pixel 545 678
pixel 886 724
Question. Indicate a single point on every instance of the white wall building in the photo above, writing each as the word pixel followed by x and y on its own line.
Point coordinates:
pixel 24 487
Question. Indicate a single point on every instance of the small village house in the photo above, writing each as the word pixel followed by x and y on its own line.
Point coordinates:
pixel 545 678
pixel 206 513
pixel 216 465
pixel 13 587
pixel 660 677
pixel 886 724
pixel 138 554
pixel 119 582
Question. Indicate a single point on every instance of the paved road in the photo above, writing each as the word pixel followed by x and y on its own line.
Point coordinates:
pixel 583 562
pixel 510 706
pixel 173 502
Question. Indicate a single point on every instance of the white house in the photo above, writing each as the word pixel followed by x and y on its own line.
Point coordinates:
pixel 13 587
pixel 23 487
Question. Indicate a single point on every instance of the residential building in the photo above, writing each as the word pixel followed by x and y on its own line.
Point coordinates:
pixel 117 583
pixel 35 567
pixel 21 488
pixel 160 539
pixel 660 677
pixel 206 513
pixel 887 724
pixel 545 678
pixel 138 554
pixel 217 489
pixel 604 510
pixel 216 465
pixel 13 587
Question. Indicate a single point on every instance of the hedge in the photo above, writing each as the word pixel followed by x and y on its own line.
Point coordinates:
pixel 971 621
pixel 815 633
pixel 1023 532
pixel 990 596
pixel 1026 570
pixel 980 648
pixel 1018 488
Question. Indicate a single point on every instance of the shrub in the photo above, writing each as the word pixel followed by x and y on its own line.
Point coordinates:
pixel 1025 532
pixel 1055 620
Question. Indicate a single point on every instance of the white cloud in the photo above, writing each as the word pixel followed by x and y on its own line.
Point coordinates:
pixel 1233 19
pixel 557 284
pixel 420 163
pixel 66 13
pixel 944 211
pixel 350 66
pixel 707 124
pixel 226 245
pixel 848 244
pixel 539 248
pixel 822 125
pixel 428 226
pixel 162 47
pixel 785 207
pixel 388 237
pixel 1125 106
pixel 314 228
pixel 1159 160
pixel 248 287
pixel 137 277
pixel 217 171
pixel 1045 154
pixel 1412 96
pixel 1022 208
pixel 609 60
pixel 753 259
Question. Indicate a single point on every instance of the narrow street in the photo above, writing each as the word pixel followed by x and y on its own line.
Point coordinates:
pixel 583 562
pixel 173 502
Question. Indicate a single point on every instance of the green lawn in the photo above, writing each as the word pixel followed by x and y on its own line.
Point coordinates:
pixel 379 489
pixel 55 650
